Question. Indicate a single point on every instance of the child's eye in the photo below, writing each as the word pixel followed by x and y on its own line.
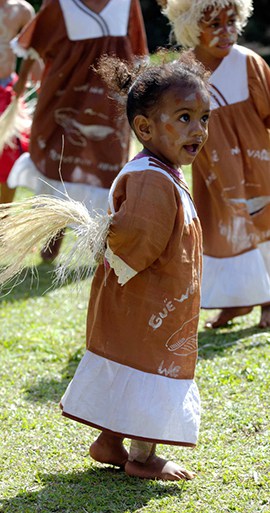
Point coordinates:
pixel 184 117
pixel 214 25
pixel 232 22
pixel 205 118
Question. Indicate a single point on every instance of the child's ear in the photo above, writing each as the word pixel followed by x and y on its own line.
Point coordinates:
pixel 142 128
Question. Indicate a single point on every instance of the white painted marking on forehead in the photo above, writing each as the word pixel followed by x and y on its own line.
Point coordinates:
pixel 230 12
pixel 190 97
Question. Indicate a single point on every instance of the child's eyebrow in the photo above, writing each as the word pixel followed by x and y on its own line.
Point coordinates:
pixel 231 14
pixel 188 109
pixel 211 20
pixel 182 108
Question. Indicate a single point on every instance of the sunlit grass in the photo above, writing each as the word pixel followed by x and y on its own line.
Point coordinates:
pixel 45 466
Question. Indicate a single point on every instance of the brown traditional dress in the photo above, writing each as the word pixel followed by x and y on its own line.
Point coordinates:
pixel 77 123
pixel 137 375
pixel 231 184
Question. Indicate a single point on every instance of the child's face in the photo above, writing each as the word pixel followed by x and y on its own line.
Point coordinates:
pixel 179 127
pixel 218 31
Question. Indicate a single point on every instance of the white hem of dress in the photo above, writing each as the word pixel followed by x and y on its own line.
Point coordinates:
pixel 25 174
pixel 242 280
pixel 134 403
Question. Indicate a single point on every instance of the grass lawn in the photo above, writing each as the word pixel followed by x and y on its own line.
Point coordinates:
pixel 45 466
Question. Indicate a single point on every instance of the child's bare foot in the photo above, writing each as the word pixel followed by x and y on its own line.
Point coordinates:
pixel 226 315
pixel 158 468
pixel 109 449
pixel 265 317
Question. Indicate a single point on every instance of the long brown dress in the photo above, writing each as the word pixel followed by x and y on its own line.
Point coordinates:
pixel 231 184
pixel 137 375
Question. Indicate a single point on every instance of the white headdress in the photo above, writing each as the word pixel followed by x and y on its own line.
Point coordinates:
pixel 185 15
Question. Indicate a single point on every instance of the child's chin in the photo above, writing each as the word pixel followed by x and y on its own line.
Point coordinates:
pixel 189 159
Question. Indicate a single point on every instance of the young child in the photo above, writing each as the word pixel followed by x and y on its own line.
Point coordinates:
pixel 231 177
pixel 136 379
pixel 14 15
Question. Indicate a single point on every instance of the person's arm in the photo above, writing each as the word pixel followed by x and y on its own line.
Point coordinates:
pixel 259 86
pixel 27 13
pixel 136 30
pixel 146 210
pixel 34 42
pixel 20 85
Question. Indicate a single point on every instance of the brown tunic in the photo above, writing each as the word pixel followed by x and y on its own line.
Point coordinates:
pixel 74 109
pixel 157 310
pixel 137 376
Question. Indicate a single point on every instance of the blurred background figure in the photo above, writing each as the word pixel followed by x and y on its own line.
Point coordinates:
pixel 231 176
pixel 14 15
pixel 76 127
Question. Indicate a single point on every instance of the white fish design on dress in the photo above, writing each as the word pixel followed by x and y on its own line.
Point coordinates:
pixel 180 345
pixel 78 133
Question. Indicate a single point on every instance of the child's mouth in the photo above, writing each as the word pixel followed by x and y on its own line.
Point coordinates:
pixel 225 45
pixel 192 149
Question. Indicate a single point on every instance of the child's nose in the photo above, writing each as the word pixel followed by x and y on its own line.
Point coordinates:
pixel 225 29
pixel 197 128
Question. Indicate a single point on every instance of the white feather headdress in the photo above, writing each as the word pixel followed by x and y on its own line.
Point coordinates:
pixel 185 16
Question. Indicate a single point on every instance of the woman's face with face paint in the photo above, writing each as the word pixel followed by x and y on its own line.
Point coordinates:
pixel 218 31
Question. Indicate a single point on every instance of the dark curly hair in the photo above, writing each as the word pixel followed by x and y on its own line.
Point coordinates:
pixel 143 84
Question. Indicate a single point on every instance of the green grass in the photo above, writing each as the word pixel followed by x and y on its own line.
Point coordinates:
pixel 45 466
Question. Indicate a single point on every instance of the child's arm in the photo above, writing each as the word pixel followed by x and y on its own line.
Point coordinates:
pixel 27 12
pixel 136 30
pixel 20 85
pixel 33 43
pixel 259 85
pixel 146 210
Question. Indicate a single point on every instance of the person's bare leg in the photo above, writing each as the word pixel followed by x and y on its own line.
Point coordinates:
pixel 265 316
pixel 6 194
pixel 109 448
pixel 51 251
pixel 146 464
pixel 225 315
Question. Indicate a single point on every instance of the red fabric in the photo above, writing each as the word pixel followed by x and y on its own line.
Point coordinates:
pixel 10 155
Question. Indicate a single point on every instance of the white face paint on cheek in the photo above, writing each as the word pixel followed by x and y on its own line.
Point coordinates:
pixel 232 35
pixel 178 141
pixel 164 139
pixel 216 32
pixel 164 118
pixel 214 41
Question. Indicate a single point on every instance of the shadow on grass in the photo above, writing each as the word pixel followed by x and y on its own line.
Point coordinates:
pixel 217 342
pixel 51 389
pixel 38 281
pixel 96 490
